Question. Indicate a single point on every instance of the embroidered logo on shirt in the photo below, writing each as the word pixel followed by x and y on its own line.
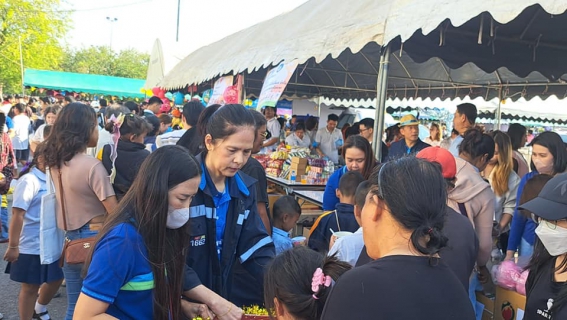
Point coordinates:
pixel 198 241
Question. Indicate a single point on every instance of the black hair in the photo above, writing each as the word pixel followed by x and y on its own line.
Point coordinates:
pixel 415 192
pixel 530 131
pixel 258 118
pixel 299 126
pixel 285 204
pixel 531 190
pixel 361 193
pixel 363 145
pixel 288 278
pixel 154 100
pixel 103 103
pixel 146 205
pixel 51 109
pixel 45 100
pixel 553 142
pixel 516 132
pixel 311 123
pixel 349 182
pixel 70 134
pixel 20 107
pixel 281 121
pixel 132 125
pixel 293 116
pixel 39 150
pixel 191 112
pixel 469 110
pixel 367 122
pixel 115 110
pixel 476 144
pixel 2 124
pixel 154 122
pixel 332 117
pixel 132 106
pixel 392 132
pixel 7 97
pixel 165 118
pixel 69 99
pixel 223 121
pixel 454 131
pixel 352 131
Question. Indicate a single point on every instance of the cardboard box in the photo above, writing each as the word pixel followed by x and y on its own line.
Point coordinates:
pixel 508 304
pixel 298 160
pixel 488 302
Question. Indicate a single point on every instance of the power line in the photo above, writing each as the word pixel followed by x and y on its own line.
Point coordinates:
pixel 90 9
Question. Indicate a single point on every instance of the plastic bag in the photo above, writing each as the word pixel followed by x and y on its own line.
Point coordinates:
pixel 521 283
pixel 508 274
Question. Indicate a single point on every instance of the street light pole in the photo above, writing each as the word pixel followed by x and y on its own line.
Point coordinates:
pixel 111 20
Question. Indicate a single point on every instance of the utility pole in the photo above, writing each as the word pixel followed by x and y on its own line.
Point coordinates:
pixel 111 20
pixel 178 12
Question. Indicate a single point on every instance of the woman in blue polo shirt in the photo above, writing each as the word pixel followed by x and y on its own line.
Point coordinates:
pixel 137 268
pixel 358 156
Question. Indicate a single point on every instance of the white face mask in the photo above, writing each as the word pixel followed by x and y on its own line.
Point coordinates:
pixel 544 167
pixel 554 240
pixel 177 218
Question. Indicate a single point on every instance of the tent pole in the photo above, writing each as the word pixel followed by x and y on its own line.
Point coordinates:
pixel 381 93
pixel 499 110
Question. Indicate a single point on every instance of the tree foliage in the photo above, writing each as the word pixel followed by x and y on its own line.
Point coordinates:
pixel 40 25
pixel 128 63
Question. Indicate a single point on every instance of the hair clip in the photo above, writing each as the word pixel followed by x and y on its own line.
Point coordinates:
pixel 319 279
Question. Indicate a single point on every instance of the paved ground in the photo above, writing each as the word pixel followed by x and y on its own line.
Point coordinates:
pixel 9 291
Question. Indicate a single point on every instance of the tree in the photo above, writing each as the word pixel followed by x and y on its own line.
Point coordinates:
pixel 128 63
pixel 40 25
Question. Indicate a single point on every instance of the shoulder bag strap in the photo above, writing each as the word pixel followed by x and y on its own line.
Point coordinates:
pixel 62 201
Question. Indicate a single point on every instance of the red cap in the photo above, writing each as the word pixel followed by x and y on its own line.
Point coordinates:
pixel 441 156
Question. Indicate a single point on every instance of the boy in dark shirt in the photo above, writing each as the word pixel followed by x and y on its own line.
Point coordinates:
pixel 342 218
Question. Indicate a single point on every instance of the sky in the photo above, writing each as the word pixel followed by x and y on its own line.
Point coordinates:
pixel 140 22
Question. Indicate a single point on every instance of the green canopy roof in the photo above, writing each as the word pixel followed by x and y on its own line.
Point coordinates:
pixel 87 83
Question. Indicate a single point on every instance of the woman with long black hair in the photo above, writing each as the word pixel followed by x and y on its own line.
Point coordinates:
pixel 149 232
pixel 83 189
pixel 546 289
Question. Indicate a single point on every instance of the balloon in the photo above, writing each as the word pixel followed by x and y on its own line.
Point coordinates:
pixel 169 95
pixel 230 95
pixel 178 98
pixel 187 97
pixel 143 90
pixel 41 90
pixel 32 89
pixel 156 91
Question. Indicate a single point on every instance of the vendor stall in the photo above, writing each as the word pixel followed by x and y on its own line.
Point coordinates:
pixel 315 197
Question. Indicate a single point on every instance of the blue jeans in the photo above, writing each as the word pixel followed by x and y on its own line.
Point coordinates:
pixel 72 272
pixel 4 219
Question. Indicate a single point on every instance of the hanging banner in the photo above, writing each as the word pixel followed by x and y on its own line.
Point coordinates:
pixel 217 97
pixel 275 83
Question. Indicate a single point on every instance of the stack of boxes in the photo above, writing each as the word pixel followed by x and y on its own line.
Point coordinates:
pixel 297 168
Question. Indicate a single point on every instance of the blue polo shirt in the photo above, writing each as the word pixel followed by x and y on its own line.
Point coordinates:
pixel 400 149
pixel 281 240
pixel 121 275
pixel 221 200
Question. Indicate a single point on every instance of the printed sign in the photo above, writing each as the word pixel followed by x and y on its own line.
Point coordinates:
pixel 217 97
pixel 275 83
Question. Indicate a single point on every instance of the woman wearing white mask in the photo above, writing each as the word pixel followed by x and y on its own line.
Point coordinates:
pixel 549 156
pixel 546 289
pixel 137 267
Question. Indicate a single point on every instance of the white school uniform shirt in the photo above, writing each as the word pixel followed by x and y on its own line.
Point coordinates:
pixel 294 141
pixel 27 196
pixel 274 128
pixel 348 248
pixel 326 141
pixel 22 132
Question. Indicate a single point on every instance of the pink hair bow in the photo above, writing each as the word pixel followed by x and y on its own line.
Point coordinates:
pixel 319 279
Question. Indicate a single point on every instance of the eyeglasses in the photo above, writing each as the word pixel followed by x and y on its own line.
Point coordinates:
pixel 550 224
pixel 264 134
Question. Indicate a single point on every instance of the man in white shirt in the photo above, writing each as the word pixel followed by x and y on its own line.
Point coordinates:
pixel 298 138
pixel 191 113
pixel 328 140
pixel 348 248
pixel 20 141
pixel 464 119
pixel 274 129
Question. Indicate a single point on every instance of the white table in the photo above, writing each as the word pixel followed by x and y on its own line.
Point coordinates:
pixel 315 197
pixel 292 186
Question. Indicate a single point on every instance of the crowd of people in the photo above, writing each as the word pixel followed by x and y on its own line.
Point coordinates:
pixel 183 226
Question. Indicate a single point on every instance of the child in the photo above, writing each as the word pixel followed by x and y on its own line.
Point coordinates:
pixel 128 133
pixel 286 213
pixel 342 219
pixel 298 282
pixel 23 249
pixel 348 248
